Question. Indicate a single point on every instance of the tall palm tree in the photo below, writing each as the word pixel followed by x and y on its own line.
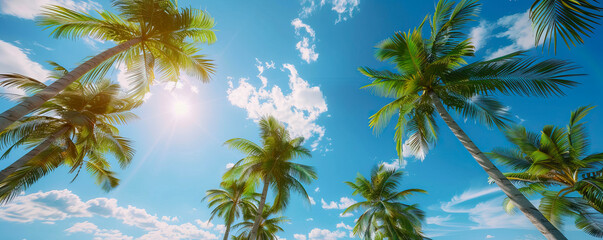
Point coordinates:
pixel 234 199
pixel 272 163
pixel 268 226
pixel 151 35
pixel 75 128
pixel 433 75
pixel 555 164
pixel 384 214
pixel 568 19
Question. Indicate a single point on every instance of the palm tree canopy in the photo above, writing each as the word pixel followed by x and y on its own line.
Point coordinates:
pixel 553 163
pixel 437 65
pixel 384 213
pixel 568 19
pixel 269 225
pixel 233 200
pixel 166 36
pixel 272 162
pixel 89 112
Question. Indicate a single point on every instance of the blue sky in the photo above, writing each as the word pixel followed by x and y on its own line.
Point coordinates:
pixel 296 60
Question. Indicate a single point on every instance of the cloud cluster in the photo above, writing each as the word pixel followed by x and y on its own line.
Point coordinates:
pixel 395 164
pixel 344 203
pixel 29 9
pixel 299 109
pixel 19 62
pixel 345 9
pixel 306 46
pixel 516 28
pixel 57 205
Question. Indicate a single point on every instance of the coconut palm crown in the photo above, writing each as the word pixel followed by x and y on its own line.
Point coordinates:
pixel 77 128
pixel 268 228
pixel 152 37
pixel 555 163
pixel 233 200
pixel 384 214
pixel 432 76
pixel 272 164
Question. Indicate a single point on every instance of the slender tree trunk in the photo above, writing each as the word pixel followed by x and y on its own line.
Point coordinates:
pixel 227 232
pixel 258 218
pixel 542 224
pixel 9 116
pixel 31 154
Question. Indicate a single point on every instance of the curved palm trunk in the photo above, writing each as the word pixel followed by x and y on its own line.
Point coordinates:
pixel 542 224
pixel 9 116
pixel 256 223
pixel 31 154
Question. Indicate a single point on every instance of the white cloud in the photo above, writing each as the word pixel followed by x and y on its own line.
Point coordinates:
pixel 42 46
pixel 395 164
pixel 317 189
pixel 99 234
pixel 438 220
pixel 92 42
pixel 297 23
pixel 480 34
pixel 345 9
pixel 29 9
pixel 306 50
pixel 312 200
pixel 486 214
pixel 325 234
pixel 299 236
pixel 345 215
pixel 489 236
pixel 344 203
pixel 58 205
pixel 344 226
pixel 19 62
pixel 516 28
pixel 306 47
pixel 331 205
pixel 309 219
pixel 229 165
pixel 299 109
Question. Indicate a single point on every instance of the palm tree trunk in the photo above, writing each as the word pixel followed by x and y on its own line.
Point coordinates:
pixel 542 224
pixel 258 218
pixel 31 154
pixel 227 232
pixel 9 116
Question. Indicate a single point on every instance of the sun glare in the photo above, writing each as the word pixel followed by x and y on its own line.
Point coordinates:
pixel 180 108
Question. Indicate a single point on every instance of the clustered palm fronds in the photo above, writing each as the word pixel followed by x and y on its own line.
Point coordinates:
pixel 433 76
pixel 568 19
pixel 272 164
pixel 385 216
pixel 76 128
pixel 555 164
pixel 151 36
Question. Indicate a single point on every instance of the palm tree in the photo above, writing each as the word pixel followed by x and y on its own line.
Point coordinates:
pixel 151 35
pixel 236 198
pixel 75 128
pixel 268 226
pixel 384 213
pixel 272 163
pixel 556 158
pixel 568 19
pixel 433 73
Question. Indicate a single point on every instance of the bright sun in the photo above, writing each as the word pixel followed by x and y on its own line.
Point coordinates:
pixel 180 108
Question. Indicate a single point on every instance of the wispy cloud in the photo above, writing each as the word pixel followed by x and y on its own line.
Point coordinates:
pixel 306 46
pixel 29 9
